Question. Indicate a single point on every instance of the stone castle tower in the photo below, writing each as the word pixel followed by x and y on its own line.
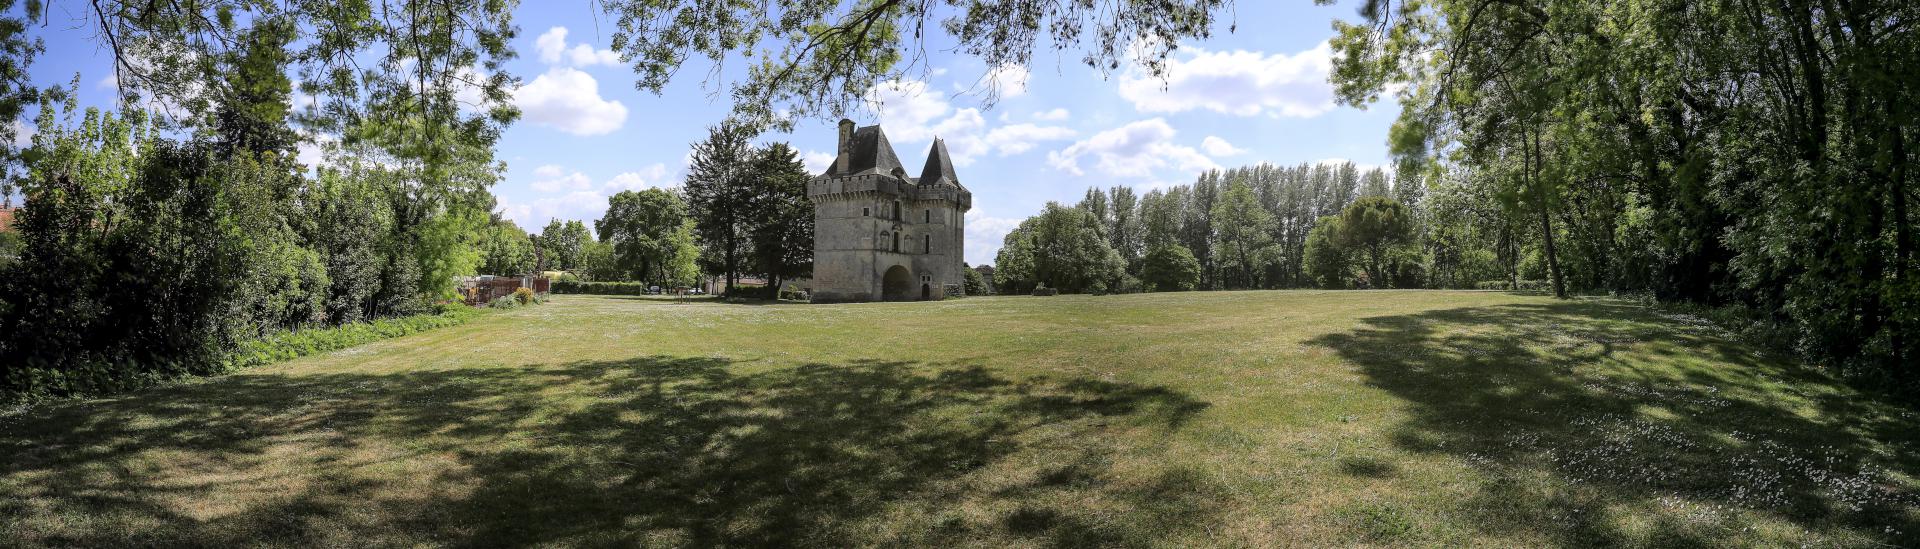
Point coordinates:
pixel 881 235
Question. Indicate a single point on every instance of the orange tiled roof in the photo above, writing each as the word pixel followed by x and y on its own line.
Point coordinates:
pixel 6 218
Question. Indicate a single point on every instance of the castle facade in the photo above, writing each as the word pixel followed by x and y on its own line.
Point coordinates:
pixel 880 234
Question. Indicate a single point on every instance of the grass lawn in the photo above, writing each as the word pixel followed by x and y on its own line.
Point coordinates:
pixel 1254 419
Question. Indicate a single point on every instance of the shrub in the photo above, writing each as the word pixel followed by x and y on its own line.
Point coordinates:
pixel 567 286
pixel 523 295
pixel 793 293
pixel 1525 285
pixel 504 302
pixel 1043 291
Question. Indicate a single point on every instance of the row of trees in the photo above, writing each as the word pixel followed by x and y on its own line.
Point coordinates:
pixel 743 210
pixel 1251 227
pixel 1755 155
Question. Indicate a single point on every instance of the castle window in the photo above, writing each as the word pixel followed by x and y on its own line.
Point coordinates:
pixel 896 210
pixel 864 212
pixel 929 217
pixel 896 242
pixel 926 241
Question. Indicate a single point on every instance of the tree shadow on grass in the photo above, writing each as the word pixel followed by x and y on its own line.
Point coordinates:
pixel 650 451
pixel 1598 423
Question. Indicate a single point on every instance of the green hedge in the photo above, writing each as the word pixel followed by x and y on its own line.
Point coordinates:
pixel 290 345
pixel 599 288
pixel 1525 285
pixel 106 376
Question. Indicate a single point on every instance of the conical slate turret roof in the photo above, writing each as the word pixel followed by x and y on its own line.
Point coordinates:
pixel 939 169
pixel 871 151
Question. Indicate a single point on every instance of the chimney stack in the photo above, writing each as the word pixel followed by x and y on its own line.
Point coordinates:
pixel 845 158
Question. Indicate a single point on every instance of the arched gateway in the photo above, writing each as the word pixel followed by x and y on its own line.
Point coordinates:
pixel 897 285
pixel 864 230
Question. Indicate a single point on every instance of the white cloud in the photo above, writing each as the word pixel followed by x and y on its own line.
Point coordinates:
pixel 552 48
pixel 569 100
pixel 817 161
pixel 1239 82
pixel 23 134
pixel 580 205
pixel 985 235
pixel 653 176
pixel 907 109
pixel 584 55
pixel 551 178
pixel 551 44
pixel 1019 138
pixel 1134 150
pixel 579 198
pixel 1216 146
pixel 913 113
pixel 1054 115
pixel 1007 80
pixel 311 153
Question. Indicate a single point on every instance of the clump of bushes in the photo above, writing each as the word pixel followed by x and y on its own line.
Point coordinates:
pixel 792 293
pixel 525 296
pixel 504 302
pixel 1525 285
pixel 1043 291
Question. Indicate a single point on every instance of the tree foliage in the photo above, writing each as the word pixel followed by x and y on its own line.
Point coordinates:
pixel 1170 267
pixel 1061 248
pixel 824 56
pixel 563 245
pixel 652 237
pixel 1732 153
pixel 720 195
pixel 1373 226
pixel 780 218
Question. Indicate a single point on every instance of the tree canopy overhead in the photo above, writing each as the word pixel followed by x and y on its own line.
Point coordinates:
pixel 821 57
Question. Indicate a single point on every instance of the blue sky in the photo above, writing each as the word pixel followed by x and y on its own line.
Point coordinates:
pixel 1255 95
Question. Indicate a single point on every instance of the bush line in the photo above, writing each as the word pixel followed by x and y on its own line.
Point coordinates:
pixel 103 378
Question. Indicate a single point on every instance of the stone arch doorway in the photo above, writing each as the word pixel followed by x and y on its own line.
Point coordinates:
pixel 896 284
pixel 926 292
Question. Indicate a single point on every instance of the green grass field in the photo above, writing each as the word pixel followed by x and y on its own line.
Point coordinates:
pixel 1254 419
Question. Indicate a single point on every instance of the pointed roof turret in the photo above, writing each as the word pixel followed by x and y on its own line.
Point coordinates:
pixel 939 169
pixel 870 152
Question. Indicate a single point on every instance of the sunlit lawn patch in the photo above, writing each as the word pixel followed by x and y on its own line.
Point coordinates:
pixel 1244 418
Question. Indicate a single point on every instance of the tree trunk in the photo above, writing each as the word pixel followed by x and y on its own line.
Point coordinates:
pixel 1553 262
pixel 1902 243
pixel 1546 220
